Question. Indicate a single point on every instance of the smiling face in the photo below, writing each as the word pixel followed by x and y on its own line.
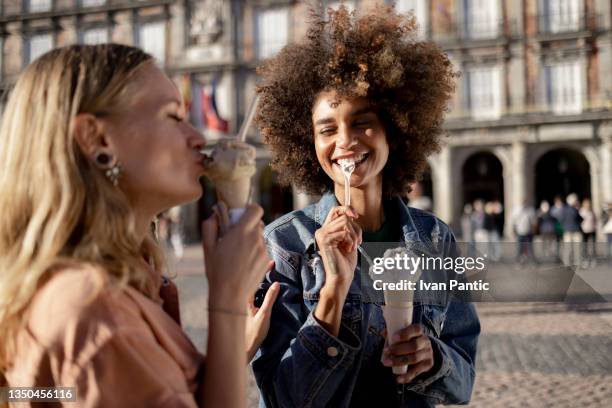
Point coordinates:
pixel 158 150
pixel 349 128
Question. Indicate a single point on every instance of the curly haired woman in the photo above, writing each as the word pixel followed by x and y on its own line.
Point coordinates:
pixel 359 87
pixel 94 143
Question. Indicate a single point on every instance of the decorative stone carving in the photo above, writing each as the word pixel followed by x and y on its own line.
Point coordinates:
pixel 206 21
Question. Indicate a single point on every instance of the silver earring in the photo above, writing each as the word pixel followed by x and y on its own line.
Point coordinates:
pixel 114 173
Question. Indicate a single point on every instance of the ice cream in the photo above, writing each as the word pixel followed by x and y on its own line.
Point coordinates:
pixel 230 167
pixel 398 307
pixel 348 167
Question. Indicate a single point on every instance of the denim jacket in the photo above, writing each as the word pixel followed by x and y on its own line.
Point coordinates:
pixel 300 364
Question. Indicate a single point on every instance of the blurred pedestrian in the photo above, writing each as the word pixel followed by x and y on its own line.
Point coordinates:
pixel 607 228
pixel 467 229
pixel 547 230
pixel 523 224
pixel 570 220
pixel 589 231
pixel 481 235
pixel 494 249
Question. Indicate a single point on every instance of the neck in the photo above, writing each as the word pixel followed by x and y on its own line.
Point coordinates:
pixel 142 227
pixel 367 201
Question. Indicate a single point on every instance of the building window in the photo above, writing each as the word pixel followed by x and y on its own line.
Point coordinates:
pixel 92 3
pixel 38 45
pixel 563 15
pixel 38 6
pixel 564 82
pixel 485 86
pixel 482 18
pixel 153 40
pixel 95 36
pixel 272 31
pixel 419 8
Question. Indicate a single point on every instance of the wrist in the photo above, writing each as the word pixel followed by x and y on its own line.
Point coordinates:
pixel 336 287
pixel 227 304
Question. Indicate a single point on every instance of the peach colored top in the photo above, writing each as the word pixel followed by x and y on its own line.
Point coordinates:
pixel 119 348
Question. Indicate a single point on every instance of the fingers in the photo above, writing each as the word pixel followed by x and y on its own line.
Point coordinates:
pixel 271 295
pixel 251 308
pixel 352 232
pixel 210 233
pixel 222 211
pixel 412 352
pixel 414 345
pixel 412 331
pixel 415 370
pixel 252 216
pixel 338 211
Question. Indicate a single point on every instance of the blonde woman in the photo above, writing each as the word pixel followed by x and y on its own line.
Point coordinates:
pixel 93 144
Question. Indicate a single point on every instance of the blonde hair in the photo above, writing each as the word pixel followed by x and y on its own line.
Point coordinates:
pixel 57 207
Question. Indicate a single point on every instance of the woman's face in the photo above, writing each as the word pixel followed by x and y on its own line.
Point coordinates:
pixel 349 128
pixel 159 151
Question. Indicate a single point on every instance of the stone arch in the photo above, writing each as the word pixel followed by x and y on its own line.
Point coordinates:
pixel 482 177
pixel 562 170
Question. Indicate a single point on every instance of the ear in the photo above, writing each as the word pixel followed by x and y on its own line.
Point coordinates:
pixel 89 134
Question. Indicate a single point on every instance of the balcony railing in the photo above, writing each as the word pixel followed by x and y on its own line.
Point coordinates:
pixel 481 31
pixel 567 23
pixel 590 105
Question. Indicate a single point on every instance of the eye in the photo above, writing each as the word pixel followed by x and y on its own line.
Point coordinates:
pixel 327 131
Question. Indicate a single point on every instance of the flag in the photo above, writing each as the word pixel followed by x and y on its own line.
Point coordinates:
pixel 210 114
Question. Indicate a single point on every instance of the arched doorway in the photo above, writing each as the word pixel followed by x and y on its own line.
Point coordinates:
pixel 421 196
pixel 483 178
pixel 561 172
pixel 273 198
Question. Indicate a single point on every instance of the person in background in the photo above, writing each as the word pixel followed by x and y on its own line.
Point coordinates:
pixel 498 216
pixel 607 228
pixel 570 220
pixel 490 224
pixel 467 229
pixel 95 143
pixel 523 224
pixel 589 234
pixel 481 235
pixel 547 230
pixel 555 211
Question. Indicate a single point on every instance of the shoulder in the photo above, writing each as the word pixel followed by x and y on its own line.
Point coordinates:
pixel 78 303
pixel 429 223
pixel 293 231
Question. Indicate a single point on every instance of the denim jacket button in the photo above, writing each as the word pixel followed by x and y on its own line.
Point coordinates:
pixel 332 351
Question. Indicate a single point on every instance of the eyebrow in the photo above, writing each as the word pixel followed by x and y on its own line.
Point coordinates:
pixel 361 111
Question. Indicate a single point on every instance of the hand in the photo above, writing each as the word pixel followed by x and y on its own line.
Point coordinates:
pixel 236 260
pixel 338 240
pixel 258 320
pixel 410 346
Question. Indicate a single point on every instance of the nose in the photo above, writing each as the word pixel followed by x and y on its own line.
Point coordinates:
pixel 195 139
pixel 345 137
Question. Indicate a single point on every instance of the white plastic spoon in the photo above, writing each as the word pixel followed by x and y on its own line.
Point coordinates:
pixel 348 167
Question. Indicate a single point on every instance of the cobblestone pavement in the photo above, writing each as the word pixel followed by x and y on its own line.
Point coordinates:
pixel 529 355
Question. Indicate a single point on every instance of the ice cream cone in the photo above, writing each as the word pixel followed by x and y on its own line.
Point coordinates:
pixel 230 168
pixel 397 316
pixel 234 192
